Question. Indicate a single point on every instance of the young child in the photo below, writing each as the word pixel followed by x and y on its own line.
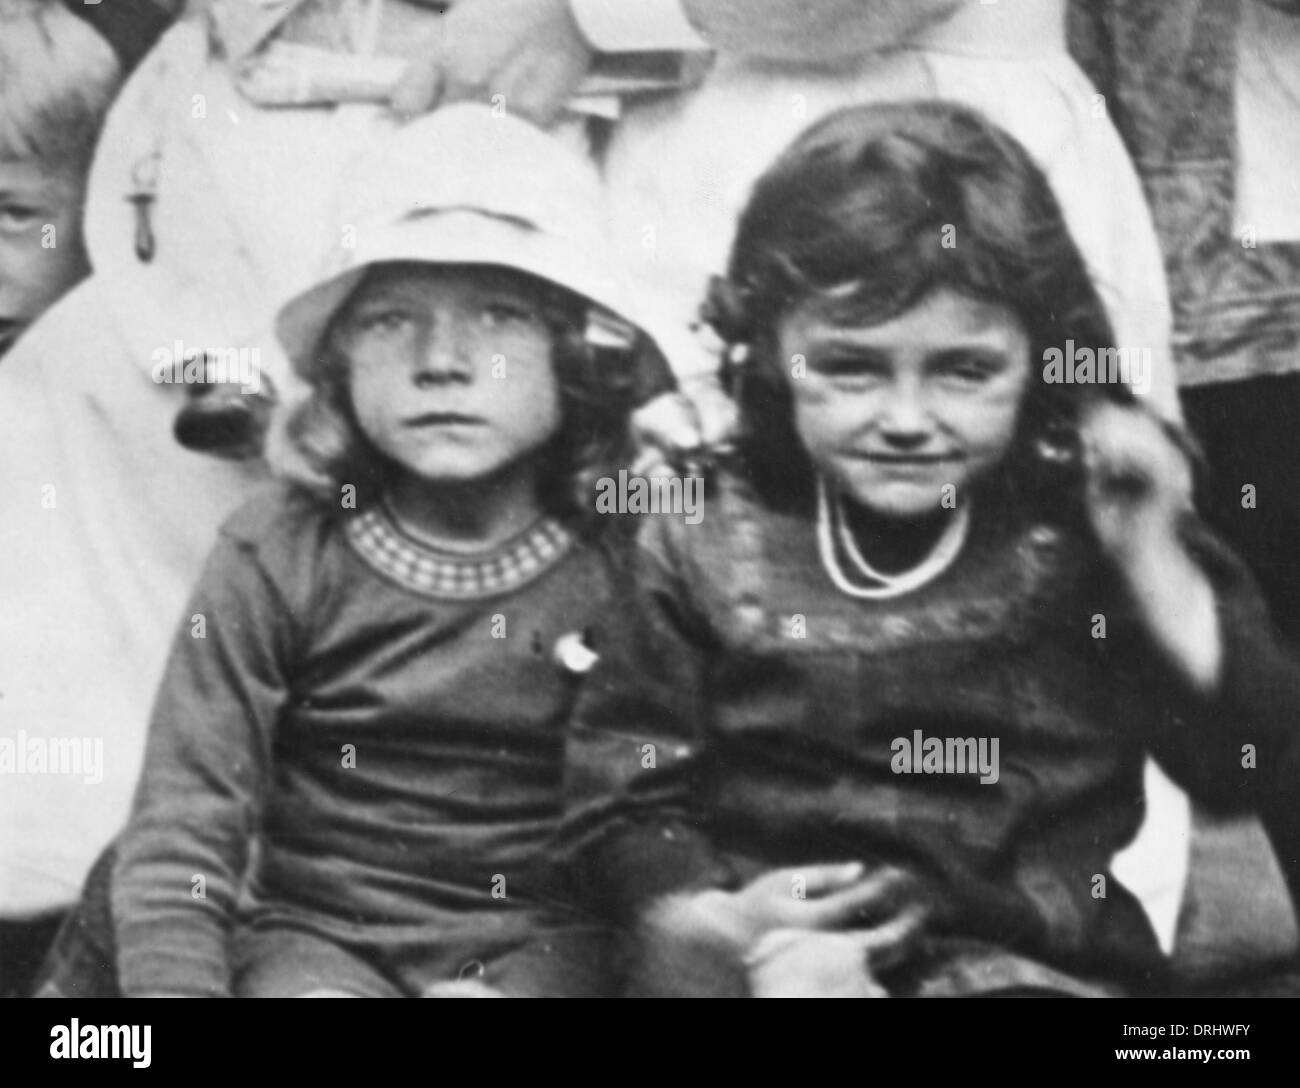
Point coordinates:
pixel 356 751
pixel 205 208
pixel 883 728
pixel 57 79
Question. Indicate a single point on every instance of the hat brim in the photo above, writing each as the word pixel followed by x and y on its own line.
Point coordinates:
pixel 446 238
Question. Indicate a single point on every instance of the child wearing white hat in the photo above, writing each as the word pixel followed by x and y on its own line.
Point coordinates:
pixel 370 682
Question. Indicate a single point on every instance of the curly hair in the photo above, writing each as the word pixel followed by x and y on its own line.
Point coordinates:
pixel 598 387
pixel 856 213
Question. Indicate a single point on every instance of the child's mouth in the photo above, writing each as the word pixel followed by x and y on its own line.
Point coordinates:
pixel 903 468
pixel 444 419
pixel 908 460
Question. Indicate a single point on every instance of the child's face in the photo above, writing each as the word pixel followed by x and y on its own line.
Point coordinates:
pixel 894 412
pixel 41 250
pixel 450 370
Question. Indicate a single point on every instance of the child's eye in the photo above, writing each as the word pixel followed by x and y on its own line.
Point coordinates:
pixel 18 217
pixel 968 369
pixel 385 320
pixel 853 369
pixel 499 313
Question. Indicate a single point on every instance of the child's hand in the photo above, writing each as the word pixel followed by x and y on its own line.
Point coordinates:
pixel 1139 481
pixel 799 963
pixel 530 52
pixel 668 431
pixel 680 430
pixel 1139 487
pixel 717 412
pixel 816 897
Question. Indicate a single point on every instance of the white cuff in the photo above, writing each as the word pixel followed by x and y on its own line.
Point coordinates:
pixel 636 26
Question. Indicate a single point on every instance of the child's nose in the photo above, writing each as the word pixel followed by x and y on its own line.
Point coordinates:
pixel 904 420
pixel 442 356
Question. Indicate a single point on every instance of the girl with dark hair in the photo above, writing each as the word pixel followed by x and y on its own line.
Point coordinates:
pixel 869 219
pixel 882 728
pixel 356 750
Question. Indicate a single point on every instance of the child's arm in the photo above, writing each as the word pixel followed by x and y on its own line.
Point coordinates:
pixel 184 852
pixel 1139 490
pixel 1229 725
pixel 633 753
pixel 1238 746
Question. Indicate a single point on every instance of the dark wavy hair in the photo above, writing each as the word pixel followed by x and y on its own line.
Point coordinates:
pixel 863 202
pixel 599 386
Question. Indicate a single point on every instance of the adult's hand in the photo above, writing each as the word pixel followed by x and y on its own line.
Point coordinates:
pixel 530 52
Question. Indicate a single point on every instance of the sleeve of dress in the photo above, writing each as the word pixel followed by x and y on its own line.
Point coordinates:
pixel 184 852
pixel 1240 749
pixel 634 760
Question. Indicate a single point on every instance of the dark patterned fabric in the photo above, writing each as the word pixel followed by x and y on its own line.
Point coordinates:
pixel 1168 71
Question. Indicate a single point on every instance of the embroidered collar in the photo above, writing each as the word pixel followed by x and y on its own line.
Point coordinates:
pixel 377 538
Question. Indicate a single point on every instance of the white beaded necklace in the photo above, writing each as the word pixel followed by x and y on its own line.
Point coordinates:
pixel 831 523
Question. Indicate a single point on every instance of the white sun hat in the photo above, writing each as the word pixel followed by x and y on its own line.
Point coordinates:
pixel 463 185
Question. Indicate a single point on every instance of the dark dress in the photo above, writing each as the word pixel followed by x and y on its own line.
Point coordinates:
pixel 774 704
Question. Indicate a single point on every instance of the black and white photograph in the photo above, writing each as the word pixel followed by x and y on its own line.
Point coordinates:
pixel 650 498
